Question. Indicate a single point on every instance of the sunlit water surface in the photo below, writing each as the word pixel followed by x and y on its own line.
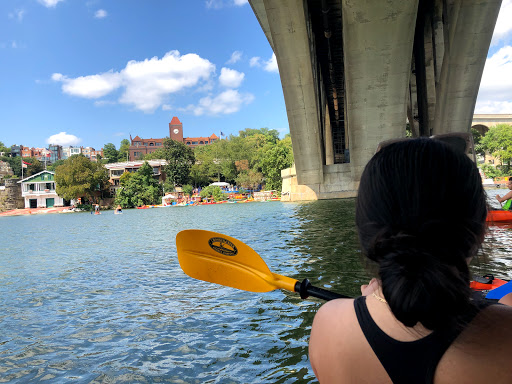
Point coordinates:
pixel 102 299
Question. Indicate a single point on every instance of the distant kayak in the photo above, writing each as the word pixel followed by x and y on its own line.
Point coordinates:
pixel 499 216
pixel 486 283
pixel 491 287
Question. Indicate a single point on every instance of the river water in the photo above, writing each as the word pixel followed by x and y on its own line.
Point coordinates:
pixel 102 299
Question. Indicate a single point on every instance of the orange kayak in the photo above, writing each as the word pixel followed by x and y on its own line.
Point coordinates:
pixel 499 216
pixel 486 283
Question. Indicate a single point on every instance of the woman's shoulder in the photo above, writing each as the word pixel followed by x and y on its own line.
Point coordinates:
pixel 333 314
pixel 482 351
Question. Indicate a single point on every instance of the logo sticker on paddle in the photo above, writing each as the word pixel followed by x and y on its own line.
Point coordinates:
pixel 223 246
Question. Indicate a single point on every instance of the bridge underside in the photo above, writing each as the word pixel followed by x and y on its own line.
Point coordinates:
pixel 355 73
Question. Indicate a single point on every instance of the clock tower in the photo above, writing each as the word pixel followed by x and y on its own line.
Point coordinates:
pixel 176 129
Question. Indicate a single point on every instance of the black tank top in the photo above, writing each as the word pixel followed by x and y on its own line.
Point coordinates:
pixel 408 361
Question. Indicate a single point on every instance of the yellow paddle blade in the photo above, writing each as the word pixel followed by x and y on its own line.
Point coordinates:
pixel 224 260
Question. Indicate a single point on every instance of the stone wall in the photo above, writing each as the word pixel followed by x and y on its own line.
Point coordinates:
pixel 10 197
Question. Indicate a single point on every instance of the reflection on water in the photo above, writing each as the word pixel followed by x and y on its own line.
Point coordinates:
pixel 102 299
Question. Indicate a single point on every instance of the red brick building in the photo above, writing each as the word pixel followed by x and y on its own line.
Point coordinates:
pixel 140 147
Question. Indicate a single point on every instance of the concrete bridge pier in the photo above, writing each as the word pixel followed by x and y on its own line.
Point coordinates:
pixel 354 72
pixel 377 55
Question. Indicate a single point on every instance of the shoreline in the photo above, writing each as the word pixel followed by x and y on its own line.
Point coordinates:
pixel 33 211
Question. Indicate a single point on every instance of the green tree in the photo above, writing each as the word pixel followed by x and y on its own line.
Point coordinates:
pixel 276 158
pixel 124 150
pixel 35 166
pixel 140 188
pixel 207 166
pixel 212 192
pixel 477 142
pixel 81 177
pixel 14 162
pixel 180 159
pixel 4 149
pixel 123 180
pixel 53 166
pixel 271 135
pixel 490 171
pixel 498 141
pixel 110 153
pixel 187 189
pixel 158 154
pixel 249 179
pixel 243 159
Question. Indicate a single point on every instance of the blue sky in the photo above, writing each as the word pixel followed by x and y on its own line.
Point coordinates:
pixel 90 72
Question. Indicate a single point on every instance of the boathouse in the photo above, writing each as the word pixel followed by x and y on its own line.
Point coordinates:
pixel 38 191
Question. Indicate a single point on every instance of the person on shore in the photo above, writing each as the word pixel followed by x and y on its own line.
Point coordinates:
pixel 119 209
pixel 420 216
pixel 507 197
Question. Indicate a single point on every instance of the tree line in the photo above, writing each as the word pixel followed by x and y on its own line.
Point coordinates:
pixel 497 142
pixel 252 159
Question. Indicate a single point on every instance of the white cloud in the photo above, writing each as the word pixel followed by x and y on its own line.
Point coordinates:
pixel 503 25
pixel 146 83
pixel 271 64
pixel 14 45
pixel 50 3
pixel 90 87
pixel 217 4
pixel 255 61
pixel 227 102
pixel 167 107
pixel 493 107
pixel 17 14
pixel 64 139
pixel 230 78
pixel 100 14
pixel 495 94
pixel 235 56
pixel 149 81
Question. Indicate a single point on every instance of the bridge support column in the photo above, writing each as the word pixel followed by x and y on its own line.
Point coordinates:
pixel 377 54
pixel 471 24
pixel 285 23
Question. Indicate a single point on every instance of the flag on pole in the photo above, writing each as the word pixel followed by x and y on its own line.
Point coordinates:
pixel 24 164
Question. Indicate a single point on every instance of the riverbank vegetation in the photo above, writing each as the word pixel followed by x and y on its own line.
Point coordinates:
pixel 251 160
pixel 496 143
pixel 138 188
pixel 80 177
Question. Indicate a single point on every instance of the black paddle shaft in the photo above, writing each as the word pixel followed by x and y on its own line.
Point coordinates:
pixel 306 289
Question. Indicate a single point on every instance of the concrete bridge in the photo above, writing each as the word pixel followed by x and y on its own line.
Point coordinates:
pixel 355 72
pixel 483 122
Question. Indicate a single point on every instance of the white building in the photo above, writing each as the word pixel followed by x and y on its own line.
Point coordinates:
pixel 116 170
pixel 38 191
pixel 67 152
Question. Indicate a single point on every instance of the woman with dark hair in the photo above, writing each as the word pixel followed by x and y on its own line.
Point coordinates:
pixel 420 215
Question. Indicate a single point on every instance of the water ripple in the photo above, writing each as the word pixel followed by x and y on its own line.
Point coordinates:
pixel 102 299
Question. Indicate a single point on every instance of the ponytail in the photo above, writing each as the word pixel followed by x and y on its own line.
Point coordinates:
pixel 420 215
